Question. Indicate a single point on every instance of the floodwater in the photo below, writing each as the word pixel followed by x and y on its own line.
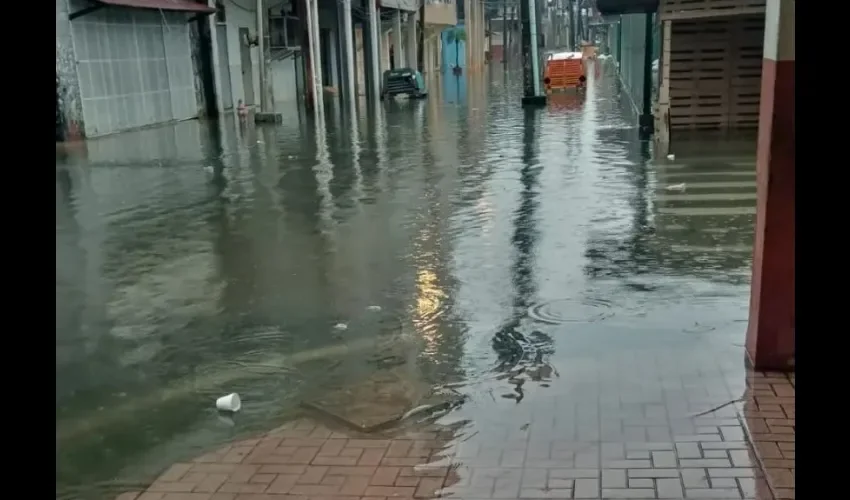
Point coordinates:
pixel 445 241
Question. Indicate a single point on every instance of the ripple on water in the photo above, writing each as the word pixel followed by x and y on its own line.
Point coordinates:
pixel 584 310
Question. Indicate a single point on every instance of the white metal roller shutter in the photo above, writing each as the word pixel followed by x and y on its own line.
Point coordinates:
pixel 135 69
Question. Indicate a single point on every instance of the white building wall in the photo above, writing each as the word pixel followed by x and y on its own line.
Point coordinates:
pixel 241 14
pixel 283 80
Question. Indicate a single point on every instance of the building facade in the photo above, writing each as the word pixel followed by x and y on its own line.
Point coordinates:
pixel 121 67
pixel 439 15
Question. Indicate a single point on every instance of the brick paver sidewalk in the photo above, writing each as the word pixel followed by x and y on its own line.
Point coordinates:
pixel 304 460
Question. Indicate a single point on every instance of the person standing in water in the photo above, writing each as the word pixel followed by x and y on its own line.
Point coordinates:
pixel 241 110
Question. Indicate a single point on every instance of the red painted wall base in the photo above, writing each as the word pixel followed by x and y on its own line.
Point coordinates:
pixel 770 334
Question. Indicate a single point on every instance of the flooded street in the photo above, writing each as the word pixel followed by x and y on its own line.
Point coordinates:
pixel 506 265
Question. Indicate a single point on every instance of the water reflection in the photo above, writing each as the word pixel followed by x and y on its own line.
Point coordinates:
pixel 454 89
pixel 508 342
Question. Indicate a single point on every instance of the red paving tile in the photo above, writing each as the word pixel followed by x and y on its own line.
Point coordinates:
pixel 640 447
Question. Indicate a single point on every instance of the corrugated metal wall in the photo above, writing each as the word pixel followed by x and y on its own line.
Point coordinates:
pixel 627 44
pixel 631 57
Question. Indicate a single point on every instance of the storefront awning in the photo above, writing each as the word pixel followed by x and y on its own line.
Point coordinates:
pixel 169 5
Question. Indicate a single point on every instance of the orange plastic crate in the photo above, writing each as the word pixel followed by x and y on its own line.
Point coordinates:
pixel 562 73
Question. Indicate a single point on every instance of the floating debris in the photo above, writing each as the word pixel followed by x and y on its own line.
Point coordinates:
pixel 428 409
pixel 676 187
pixel 231 402
pixel 699 328
pixel 340 326
pixel 718 407
pixel 374 308
pixel 671 157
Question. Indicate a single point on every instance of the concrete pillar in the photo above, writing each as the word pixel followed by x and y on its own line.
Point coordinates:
pixel 349 69
pixel 469 27
pixel 333 53
pixel 530 60
pixel 646 119
pixel 482 34
pixel 475 35
pixel 386 41
pixel 770 334
pixel 428 57
pixel 366 54
pixel 261 54
pixel 359 66
pixel 662 131
pixel 412 45
pixel 398 50
pixel 436 61
pixel 266 98
pixel 437 49
pixel 478 34
pixel 339 46
pixel 373 61
pixel 316 55
pixel 216 59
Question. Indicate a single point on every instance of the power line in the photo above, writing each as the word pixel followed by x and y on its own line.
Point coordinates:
pixel 254 8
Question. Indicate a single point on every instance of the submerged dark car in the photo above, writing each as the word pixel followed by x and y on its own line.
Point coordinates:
pixel 403 81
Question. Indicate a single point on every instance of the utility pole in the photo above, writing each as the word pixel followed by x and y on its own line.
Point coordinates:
pixel 348 42
pixel 303 32
pixel 420 49
pixel 261 60
pixel 571 9
pixel 490 38
pixel 619 43
pixel 579 25
pixel 504 31
pixel 374 24
pixel 647 123
pixel 560 27
pixel 315 61
pixel 511 30
pixel 317 58
pixel 530 57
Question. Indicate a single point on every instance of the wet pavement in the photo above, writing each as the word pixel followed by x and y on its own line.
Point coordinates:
pixel 637 446
pixel 565 316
